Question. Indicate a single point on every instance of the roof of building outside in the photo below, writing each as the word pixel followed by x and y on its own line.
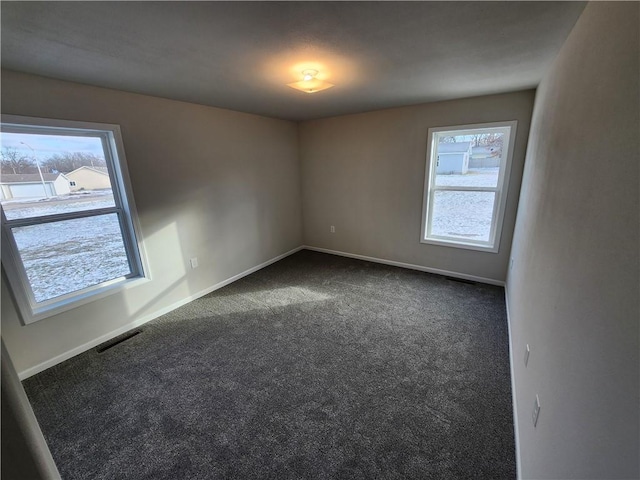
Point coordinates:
pixel 28 177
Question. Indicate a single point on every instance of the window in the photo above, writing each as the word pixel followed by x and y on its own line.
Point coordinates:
pixel 72 184
pixel 61 247
pixel 466 185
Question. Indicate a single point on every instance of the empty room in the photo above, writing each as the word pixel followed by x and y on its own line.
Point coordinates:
pixel 320 240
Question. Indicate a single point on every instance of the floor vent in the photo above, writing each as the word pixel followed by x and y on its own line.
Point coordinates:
pixel 116 340
pixel 461 280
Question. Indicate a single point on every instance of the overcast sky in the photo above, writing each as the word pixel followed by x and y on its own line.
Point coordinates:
pixel 45 146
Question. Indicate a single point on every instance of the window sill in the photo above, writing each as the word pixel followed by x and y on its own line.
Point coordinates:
pixel 461 244
pixel 98 292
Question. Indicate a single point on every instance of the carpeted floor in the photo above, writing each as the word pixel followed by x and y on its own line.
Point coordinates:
pixel 317 367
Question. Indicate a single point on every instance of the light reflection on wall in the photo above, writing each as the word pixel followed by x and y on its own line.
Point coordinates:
pixel 168 277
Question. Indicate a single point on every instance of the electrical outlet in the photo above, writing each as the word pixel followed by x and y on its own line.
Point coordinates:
pixel 526 355
pixel 333 229
pixel 536 411
pixel 194 262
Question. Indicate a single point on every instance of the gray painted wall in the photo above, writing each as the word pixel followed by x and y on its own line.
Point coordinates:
pixel 216 184
pixel 573 289
pixel 365 175
pixel 25 454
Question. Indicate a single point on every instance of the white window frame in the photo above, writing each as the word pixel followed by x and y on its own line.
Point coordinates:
pixel 31 311
pixel 493 244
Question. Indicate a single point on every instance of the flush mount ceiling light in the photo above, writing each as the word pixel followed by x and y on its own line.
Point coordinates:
pixel 310 83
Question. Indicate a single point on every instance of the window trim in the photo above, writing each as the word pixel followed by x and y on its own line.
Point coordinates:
pixel 501 189
pixel 31 311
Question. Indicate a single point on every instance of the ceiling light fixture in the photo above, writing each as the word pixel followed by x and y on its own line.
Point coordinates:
pixel 310 83
pixel 308 74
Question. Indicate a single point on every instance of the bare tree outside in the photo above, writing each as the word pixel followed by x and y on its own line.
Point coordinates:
pixel 491 140
pixel 70 161
pixel 13 161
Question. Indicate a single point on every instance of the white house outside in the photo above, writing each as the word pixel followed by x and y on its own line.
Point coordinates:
pixel 89 178
pixel 30 185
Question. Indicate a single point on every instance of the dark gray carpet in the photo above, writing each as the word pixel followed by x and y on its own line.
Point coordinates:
pixel 317 367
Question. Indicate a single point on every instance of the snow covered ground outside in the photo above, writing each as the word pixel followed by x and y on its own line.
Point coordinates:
pixel 475 177
pixel 26 208
pixel 67 256
pixel 465 215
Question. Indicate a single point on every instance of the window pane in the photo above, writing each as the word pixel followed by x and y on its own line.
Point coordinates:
pixel 67 256
pixel 469 160
pixel 463 215
pixel 74 174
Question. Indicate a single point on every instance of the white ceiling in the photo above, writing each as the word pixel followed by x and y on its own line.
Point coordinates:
pixel 241 55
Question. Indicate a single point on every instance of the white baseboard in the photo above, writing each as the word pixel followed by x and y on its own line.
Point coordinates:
pixel 513 390
pixel 411 266
pixel 147 318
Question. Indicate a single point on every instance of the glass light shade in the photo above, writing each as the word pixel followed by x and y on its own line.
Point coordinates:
pixel 310 86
